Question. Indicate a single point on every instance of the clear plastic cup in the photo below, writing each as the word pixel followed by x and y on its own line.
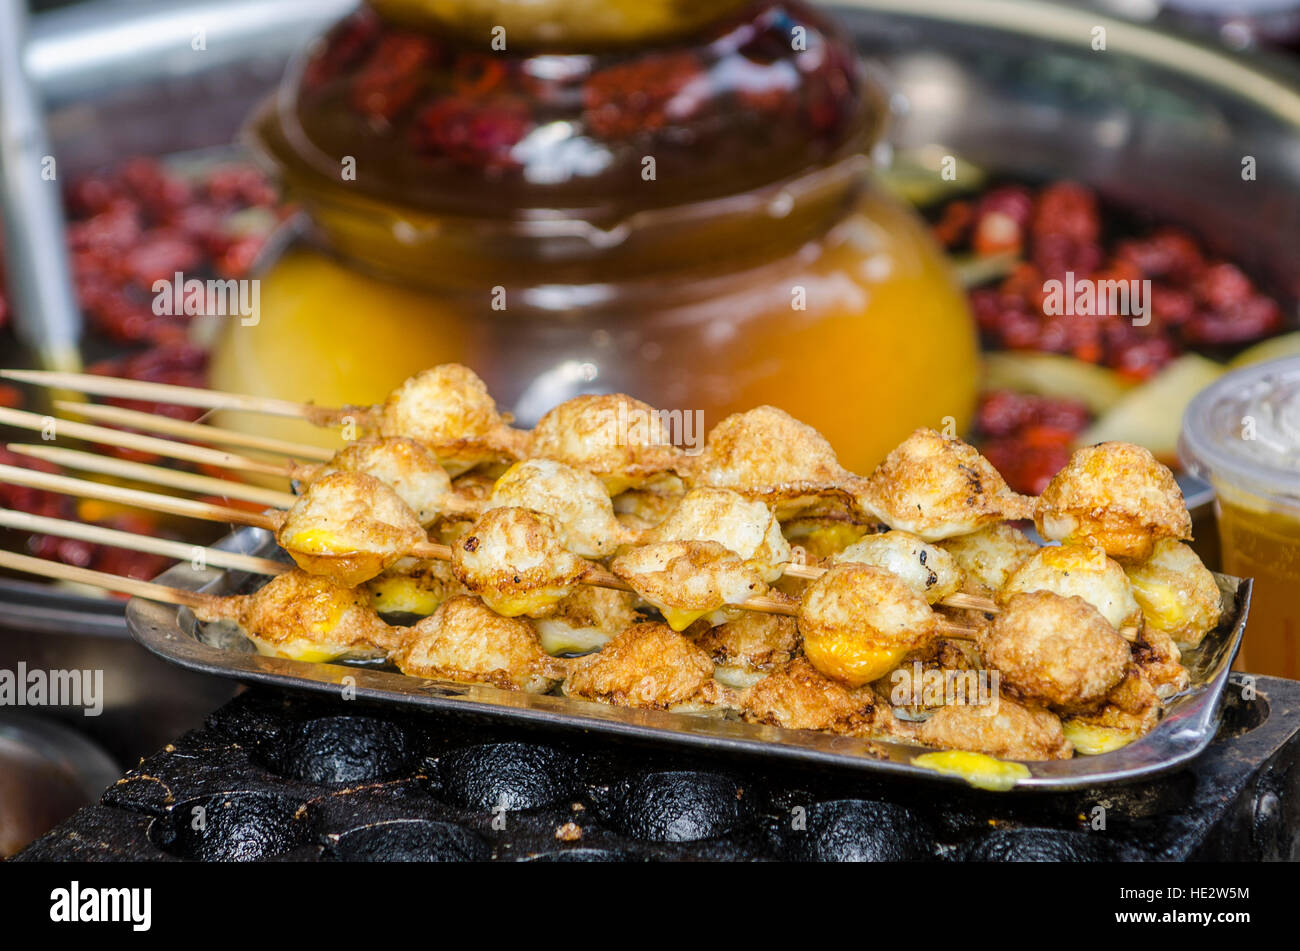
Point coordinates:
pixel 1242 435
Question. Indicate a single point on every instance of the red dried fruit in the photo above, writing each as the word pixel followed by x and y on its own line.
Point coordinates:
pixel 641 95
pixel 392 76
pixel 479 134
pixel 1070 210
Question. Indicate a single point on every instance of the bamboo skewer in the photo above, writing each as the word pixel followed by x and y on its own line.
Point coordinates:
pixel 207 511
pixel 199 432
pixel 100 579
pixel 41 524
pixel 138 472
pixel 170 393
pixel 238 490
pixel 150 444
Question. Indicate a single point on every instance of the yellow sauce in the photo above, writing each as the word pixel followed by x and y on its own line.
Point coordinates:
pixel 978 769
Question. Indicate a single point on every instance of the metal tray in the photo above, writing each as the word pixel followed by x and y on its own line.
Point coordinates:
pixel 1189 724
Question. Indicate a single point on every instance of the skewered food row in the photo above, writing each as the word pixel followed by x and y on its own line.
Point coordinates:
pixel 792 592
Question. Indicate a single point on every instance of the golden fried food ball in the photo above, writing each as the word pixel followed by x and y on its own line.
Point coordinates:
pixel 620 440
pixel 1178 594
pixel 349 526
pixel 940 672
pixel 766 453
pixel 1056 651
pixel 687 580
pixel 928 570
pixel 858 622
pixel 936 487
pixel 746 527
pixel 1077 570
pixel 748 648
pixel 988 557
pixel 1004 729
pixel 404 465
pixel 450 411
pixel 414 586
pixel 822 536
pixel 307 617
pixel 1114 495
pixel 641 509
pixel 467 642
pixel 647 665
pixel 586 619
pixel 1160 661
pixel 799 697
pixel 512 559
pixel 576 500
pixel 1131 711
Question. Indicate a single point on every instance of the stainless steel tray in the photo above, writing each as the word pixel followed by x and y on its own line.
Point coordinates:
pixel 1189 724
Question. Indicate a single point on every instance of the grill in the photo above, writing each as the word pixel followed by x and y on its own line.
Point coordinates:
pixel 283 776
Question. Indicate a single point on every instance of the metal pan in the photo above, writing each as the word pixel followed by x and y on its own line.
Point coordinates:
pixel 1189 724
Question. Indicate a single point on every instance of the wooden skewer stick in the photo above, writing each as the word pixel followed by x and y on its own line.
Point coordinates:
pixel 172 478
pixel 100 579
pixel 271 522
pixel 971 602
pixel 198 432
pixel 41 524
pixel 206 511
pixel 170 393
pixel 104 436
pixel 153 501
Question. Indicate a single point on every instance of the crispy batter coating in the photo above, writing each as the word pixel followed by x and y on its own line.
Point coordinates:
pixel 1160 661
pixel 1178 594
pixel 928 570
pixel 575 499
pixel 936 487
pixel 414 586
pixel 823 536
pixel 349 526
pixel 449 410
pixel 1131 711
pixel 404 465
pixel 858 622
pixel 798 697
pixel 1056 651
pixel 767 454
pixel 746 527
pixel 1115 495
pixel 620 440
pixel 467 642
pixel 1006 729
pixel 643 508
pixel 647 665
pixel 308 617
pixel 687 580
pixel 586 619
pixel 512 559
pixel 746 649
pixel 988 557
pixel 1082 570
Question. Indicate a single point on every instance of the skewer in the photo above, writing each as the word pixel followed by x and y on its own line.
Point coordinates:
pixel 170 393
pixel 138 472
pixel 270 522
pixel 41 524
pixel 199 432
pixel 104 436
pixel 90 462
pixel 100 579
